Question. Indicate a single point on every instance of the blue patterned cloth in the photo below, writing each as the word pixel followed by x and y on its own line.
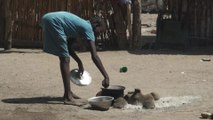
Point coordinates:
pixel 59 26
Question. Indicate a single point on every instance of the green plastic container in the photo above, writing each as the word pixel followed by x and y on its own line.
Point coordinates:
pixel 123 69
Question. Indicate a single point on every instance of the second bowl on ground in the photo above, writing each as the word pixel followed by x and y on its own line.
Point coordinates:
pixel 101 102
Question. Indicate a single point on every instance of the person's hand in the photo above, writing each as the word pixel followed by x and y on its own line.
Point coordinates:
pixel 81 70
pixel 105 83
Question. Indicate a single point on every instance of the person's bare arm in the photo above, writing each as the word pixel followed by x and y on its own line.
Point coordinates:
pixel 98 63
pixel 76 58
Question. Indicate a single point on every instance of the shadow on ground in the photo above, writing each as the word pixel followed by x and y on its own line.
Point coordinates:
pixel 34 100
pixel 20 51
pixel 148 47
pixel 171 51
pixel 151 46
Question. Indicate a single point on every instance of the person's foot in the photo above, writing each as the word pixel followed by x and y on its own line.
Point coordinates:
pixel 75 102
pixel 72 99
pixel 73 95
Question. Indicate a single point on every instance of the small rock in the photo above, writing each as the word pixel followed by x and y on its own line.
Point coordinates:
pixel 155 95
pixel 99 93
pixel 148 101
pixel 128 96
pixel 206 115
pixel 206 59
pixel 137 98
pixel 120 103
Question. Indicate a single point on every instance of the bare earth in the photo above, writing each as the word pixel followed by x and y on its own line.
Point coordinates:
pixel 31 87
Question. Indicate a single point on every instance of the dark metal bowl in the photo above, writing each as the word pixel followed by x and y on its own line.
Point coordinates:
pixel 115 91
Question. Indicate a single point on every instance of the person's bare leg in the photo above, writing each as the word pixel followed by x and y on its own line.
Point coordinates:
pixel 69 97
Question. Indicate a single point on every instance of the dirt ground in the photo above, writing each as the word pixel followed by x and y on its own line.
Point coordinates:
pixel 31 87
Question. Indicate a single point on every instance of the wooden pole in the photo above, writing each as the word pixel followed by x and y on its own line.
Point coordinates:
pixel 129 24
pixel 6 24
pixel 136 23
pixel 2 23
pixel 120 23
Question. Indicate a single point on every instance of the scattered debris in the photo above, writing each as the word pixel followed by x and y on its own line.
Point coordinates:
pixel 166 102
pixel 175 101
pixel 205 60
pixel 206 115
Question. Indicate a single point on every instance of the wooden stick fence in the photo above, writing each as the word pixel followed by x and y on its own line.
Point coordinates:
pixel 26 15
pixel 197 16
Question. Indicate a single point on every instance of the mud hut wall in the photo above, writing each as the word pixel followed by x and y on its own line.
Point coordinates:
pixel 26 15
pixel 196 16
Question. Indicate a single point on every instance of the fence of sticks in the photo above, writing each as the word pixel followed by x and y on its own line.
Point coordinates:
pixel 26 17
pixel 196 16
